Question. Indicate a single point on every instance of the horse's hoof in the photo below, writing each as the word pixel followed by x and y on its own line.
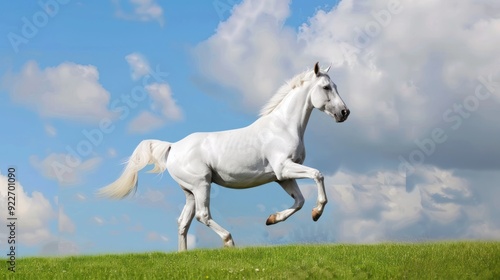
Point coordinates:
pixel 271 220
pixel 315 214
pixel 228 241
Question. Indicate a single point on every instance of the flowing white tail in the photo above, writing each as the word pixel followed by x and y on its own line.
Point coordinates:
pixel 147 152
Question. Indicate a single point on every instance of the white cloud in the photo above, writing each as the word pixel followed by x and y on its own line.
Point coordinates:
pixel 80 197
pixel 64 168
pixel 162 103
pixel 142 10
pixel 154 236
pixel 67 91
pixel 191 241
pixel 66 248
pixel 34 213
pixel 111 152
pixel 60 247
pixel 145 122
pixel 252 52
pixel 378 207
pixel 98 220
pixel 50 130
pixel 431 204
pixel 163 106
pixel 261 207
pixel 152 198
pixel 139 66
pixel 161 94
pixel 66 225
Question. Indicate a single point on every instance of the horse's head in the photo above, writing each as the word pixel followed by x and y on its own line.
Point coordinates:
pixel 324 96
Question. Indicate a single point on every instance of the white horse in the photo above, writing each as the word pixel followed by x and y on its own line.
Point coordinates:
pixel 270 149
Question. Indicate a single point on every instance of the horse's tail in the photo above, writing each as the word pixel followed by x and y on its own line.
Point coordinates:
pixel 147 152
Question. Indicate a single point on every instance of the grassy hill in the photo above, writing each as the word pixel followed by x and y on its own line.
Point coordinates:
pixel 447 260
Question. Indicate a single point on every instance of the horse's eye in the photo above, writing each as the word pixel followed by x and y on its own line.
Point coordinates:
pixel 327 87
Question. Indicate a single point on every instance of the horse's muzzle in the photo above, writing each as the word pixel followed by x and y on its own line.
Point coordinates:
pixel 344 114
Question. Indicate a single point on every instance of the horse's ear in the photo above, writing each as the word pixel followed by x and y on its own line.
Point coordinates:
pixel 328 69
pixel 316 69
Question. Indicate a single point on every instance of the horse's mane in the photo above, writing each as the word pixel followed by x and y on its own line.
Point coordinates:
pixel 283 91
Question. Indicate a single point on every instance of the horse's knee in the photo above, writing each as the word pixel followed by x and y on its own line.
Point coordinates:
pixel 318 176
pixel 202 217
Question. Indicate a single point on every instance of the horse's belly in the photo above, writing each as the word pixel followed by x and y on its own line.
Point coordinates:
pixel 243 171
pixel 242 180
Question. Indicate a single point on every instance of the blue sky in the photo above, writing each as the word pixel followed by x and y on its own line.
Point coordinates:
pixel 81 84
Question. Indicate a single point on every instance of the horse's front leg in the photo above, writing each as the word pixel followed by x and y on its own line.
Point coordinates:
pixel 292 170
pixel 291 187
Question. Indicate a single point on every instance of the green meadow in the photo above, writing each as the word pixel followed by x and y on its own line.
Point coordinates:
pixel 443 260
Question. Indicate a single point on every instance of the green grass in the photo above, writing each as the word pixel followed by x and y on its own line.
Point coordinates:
pixel 447 260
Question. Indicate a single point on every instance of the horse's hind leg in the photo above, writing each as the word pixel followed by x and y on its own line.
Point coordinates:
pixel 291 187
pixel 185 219
pixel 202 200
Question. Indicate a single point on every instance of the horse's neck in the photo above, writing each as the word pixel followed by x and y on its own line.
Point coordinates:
pixel 294 110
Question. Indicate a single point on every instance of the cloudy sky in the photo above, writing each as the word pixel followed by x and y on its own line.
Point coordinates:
pixel 81 84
